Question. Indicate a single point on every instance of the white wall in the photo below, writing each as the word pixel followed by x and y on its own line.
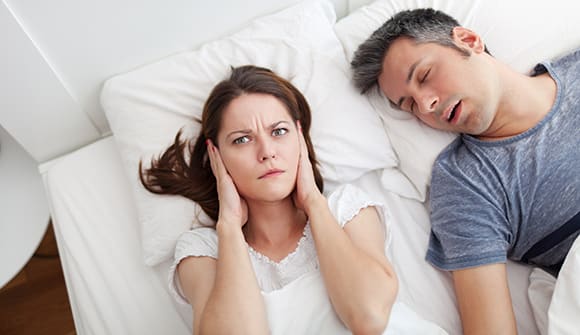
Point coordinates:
pixel 56 55
pixel 35 108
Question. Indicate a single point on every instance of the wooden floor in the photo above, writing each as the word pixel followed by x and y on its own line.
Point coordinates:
pixel 36 301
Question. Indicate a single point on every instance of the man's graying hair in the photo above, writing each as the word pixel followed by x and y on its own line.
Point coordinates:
pixel 424 25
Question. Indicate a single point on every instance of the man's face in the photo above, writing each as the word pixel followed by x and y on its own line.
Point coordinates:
pixel 444 88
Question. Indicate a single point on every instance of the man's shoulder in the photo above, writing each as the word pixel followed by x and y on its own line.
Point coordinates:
pixel 467 161
pixel 570 59
pixel 455 154
pixel 562 63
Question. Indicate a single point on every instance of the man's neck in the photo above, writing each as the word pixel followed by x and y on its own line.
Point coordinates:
pixel 525 102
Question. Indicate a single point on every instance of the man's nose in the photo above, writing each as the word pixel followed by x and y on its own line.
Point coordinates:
pixel 428 102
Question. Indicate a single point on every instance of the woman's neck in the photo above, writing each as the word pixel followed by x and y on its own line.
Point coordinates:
pixel 273 228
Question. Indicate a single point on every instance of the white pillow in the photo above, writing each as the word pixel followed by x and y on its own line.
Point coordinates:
pixel 146 107
pixel 565 305
pixel 518 32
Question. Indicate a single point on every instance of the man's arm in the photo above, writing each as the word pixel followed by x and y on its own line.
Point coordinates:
pixel 484 299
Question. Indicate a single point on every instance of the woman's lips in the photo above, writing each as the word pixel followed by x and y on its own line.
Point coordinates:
pixel 271 173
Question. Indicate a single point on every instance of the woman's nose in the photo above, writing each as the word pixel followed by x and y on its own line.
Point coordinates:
pixel 267 156
pixel 267 150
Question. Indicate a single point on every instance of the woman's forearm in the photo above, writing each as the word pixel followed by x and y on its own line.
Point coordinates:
pixel 235 304
pixel 361 287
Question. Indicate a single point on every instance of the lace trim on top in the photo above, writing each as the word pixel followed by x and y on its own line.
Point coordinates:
pixel 284 260
pixel 274 275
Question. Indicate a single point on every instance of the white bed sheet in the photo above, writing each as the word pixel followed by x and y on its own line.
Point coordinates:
pixel 113 292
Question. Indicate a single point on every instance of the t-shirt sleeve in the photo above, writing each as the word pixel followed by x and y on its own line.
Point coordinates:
pixel 198 242
pixel 469 225
pixel 348 200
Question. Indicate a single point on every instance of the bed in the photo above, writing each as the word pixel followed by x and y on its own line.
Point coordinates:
pixel 115 239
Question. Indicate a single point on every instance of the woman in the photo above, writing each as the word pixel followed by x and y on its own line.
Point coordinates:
pixel 253 170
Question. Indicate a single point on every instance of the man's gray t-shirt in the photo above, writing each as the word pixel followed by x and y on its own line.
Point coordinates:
pixel 493 200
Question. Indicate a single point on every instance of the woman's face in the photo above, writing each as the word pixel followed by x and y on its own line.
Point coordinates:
pixel 258 143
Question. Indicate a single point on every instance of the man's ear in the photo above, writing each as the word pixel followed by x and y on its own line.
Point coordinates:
pixel 467 39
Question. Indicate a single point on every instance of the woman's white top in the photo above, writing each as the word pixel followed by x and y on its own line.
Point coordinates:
pixel 345 203
pixel 293 289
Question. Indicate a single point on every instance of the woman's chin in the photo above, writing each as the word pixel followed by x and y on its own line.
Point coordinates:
pixel 273 194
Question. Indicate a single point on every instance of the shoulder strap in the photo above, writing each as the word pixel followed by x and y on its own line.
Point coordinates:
pixel 553 239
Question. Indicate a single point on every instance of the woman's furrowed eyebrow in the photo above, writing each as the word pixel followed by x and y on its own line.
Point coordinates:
pixel 236 133
pixel 276 124
pixel 249 131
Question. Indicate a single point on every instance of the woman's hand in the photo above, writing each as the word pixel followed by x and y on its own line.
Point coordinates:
pixel 233 208
pixel 306 193
pixel 220 311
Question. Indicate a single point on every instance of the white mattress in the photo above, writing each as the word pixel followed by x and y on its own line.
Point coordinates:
pixel 110 289
pixel 113 292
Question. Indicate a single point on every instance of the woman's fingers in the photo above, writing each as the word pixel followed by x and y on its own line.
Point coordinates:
pixel 233 208
pixel 210 156
pixel 215 159
pixel 306 188
pixel 303 147
pixel 305 168
pixel 304 164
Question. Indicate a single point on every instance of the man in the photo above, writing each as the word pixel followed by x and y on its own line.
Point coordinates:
pixel 509 186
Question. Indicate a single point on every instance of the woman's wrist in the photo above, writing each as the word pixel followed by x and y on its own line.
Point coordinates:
pixel 228 229
pixel 314 202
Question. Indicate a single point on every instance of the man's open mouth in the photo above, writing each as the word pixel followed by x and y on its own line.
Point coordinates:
pixel 453 112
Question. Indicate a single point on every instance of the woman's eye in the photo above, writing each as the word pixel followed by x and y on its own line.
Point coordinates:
pixel 279 131
pixel 241 140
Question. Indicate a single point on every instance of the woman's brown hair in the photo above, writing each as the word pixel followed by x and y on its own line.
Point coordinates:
pixel 171 173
